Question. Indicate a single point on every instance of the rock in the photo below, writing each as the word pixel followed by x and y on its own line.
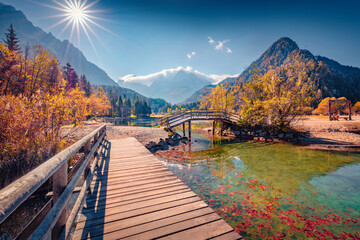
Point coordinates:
pixel 150 145
pixel 237 133
pixel 161 143
pixel 252 133
pixel 262 134
pixel 256 138
pixel 262 139
pixel 281 135
pixel 289 135
pixel 276 140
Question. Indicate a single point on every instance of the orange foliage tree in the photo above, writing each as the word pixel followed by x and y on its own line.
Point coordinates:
pixel 34 105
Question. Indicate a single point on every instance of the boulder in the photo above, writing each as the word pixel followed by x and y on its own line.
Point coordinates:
pixel 161 143
pixel 237 133
pixel 289 135
pixel 262 134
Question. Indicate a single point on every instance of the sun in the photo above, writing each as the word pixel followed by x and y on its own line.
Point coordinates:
pixel 80 16
pixel 77 14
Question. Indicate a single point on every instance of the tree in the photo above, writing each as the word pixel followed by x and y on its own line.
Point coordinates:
pixel 278 97
pixel 356 107
pixel 11 40
pixel 221 98
pixel 323 107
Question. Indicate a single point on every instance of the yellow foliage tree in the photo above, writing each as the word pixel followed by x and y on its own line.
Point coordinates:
pixel 356 107
pixel 277 97
pixel 221 98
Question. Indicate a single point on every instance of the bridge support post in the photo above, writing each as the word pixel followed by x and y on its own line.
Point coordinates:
pixel 183 127
pixel 59 185
pixel 189 129
pixel 213 128
pixel 221 128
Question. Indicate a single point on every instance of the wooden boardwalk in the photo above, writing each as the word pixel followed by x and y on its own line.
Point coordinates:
pixel 133 196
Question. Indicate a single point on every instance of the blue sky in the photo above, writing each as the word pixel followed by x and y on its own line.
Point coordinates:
pixel 148 36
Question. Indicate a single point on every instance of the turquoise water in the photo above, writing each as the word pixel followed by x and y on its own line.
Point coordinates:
pixel 139 122
pixel 275 190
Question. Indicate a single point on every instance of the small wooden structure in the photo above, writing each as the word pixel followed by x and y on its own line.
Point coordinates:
pixel 334 113
pixel 182 117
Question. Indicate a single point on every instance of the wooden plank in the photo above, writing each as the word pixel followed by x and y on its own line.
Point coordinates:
pixel 131 206
pixel 142 228
pixel 96 218
pixel 124 192
pixel 205 231
pixel 176 227
pixel 108 227
pixel 119 197
pixel 139 201
pixel 134 196
pixel 228 236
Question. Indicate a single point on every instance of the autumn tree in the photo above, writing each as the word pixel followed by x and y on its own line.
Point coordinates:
pixel 323 107
pixel 356 107
pixel 221 98
pixel 277 97
pixel 34 105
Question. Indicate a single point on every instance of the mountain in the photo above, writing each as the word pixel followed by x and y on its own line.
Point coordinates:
pixel 201 93
pixel 63 50
pixel 174 85
pixel 332 78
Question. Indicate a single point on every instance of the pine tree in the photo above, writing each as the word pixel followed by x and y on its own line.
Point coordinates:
pixel 11 40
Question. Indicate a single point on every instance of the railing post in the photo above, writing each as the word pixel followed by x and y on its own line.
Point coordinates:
pixel 59 184
pixel 87 148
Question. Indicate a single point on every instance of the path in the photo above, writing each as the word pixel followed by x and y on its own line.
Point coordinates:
pixel 133 196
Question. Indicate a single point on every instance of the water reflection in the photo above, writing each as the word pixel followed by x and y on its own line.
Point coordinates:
pixel 138 122
pixel 276 190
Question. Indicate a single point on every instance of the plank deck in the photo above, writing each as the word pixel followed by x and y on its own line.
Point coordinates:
pixel 134 196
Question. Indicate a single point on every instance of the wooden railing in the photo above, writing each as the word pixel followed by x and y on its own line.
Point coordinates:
pixel 180 117
pixel 53 221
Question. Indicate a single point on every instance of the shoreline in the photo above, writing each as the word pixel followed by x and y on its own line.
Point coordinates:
pixel 314 133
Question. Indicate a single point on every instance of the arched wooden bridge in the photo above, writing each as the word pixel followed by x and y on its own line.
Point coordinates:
pixel 182 117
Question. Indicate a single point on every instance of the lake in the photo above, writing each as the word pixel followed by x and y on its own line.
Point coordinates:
pixel 275 190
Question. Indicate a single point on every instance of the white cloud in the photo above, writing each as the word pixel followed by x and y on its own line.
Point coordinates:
pixel 211 41
pixel 218 78
pixel 190 55
pixel 219 45
pixel 150 78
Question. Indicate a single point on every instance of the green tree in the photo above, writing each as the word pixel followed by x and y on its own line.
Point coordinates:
pixel 11 40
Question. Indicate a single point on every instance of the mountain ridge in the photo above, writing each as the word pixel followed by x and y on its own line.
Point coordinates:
pixel 334 79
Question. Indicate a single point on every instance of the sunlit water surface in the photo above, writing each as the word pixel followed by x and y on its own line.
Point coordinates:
pixel 275 190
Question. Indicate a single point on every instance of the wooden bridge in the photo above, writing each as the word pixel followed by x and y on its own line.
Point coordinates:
pixel 182 117
pixel 124 192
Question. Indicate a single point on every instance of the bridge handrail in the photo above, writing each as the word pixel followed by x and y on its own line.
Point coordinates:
pixel 12 196
pixel 167 120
